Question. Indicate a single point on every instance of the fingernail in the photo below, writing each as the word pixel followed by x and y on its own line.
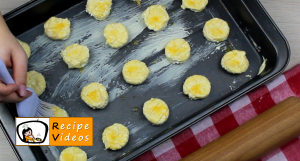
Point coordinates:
pixel 22 89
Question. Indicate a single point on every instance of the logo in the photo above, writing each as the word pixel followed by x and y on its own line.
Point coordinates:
pixel 32 131
pixel 54 131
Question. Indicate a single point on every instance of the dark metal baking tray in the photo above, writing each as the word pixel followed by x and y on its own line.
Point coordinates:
pixel 252 30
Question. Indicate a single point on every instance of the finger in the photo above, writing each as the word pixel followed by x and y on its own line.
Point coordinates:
pixel 8 89
pixel 19 65
pixel 14 98
pixel 5 59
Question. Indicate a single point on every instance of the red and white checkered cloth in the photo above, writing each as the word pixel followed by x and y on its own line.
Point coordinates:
pixel 232 116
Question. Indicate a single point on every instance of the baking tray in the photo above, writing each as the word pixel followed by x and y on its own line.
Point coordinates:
pixel 252 30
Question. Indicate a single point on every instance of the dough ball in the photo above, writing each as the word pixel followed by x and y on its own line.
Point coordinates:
pixel 73 154
pixel 95 95
pixel 156 17
pixel 58 28
pixel 135 72
pixel 116 35
pixel 115 136
pixel 26 48
pixel 156 111
pixel 235 62
pixel 36 81
pixel 178 51
pixel 99 9
pixel 194 5
pixel 76 56
pixel 59 112
pixel 196 87
pixel 216 30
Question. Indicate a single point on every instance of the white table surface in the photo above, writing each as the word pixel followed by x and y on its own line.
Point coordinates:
pixel 285 13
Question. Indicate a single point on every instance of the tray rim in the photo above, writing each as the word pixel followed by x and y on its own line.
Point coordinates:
pixel 174 131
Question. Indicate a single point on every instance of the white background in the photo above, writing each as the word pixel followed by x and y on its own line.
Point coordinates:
pixel 38 130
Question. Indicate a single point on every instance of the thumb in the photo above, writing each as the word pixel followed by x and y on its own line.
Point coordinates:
pixel 22 91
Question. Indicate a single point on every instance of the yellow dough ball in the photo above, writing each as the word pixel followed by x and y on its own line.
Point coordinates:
pixel 26 48
pixel 194 5
pixel 196 87
pixel 216 30
pixel 99 9
pixel 58 28
pixel 59 112
pixel 73 154
pixel 76 56
pixel 156 111
pixel 116 35
pixel 156 17
pixel 235 62
pixel 95 95
pixel 178 51
pixel 135 72
pixel 36 81
pixel 115 136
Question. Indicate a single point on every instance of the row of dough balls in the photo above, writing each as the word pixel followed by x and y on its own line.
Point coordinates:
pixel 136 72
pixel 96 96
pixel 177 50
pixel 155 16
pixel 116 34
pixel 116 136
pixel 59 29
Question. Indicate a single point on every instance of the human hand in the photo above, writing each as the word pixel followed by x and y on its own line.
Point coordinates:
pixel 13 56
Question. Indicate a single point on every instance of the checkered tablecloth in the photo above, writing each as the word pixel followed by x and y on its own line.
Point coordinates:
pixel 232 116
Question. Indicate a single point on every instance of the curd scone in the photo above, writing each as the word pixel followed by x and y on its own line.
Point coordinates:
pixel 95 95
pixel 178 51
pixel 59 112
pixel 116 35
pixel 58 28
pixel 99 9
pixel 156 111
pixel 73 154
pixel 156 17
pixel 76 56
pixel 194 5
pixel 235 62
pixel 36 81
pixel 196 87
pixel 26 48
pixel 115 136
pixel 216 30
pixel 135 72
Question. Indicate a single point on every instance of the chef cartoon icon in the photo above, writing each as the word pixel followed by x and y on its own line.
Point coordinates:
pixel 28 136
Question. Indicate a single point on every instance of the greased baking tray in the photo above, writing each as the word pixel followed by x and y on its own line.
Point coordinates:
pixel 252 30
